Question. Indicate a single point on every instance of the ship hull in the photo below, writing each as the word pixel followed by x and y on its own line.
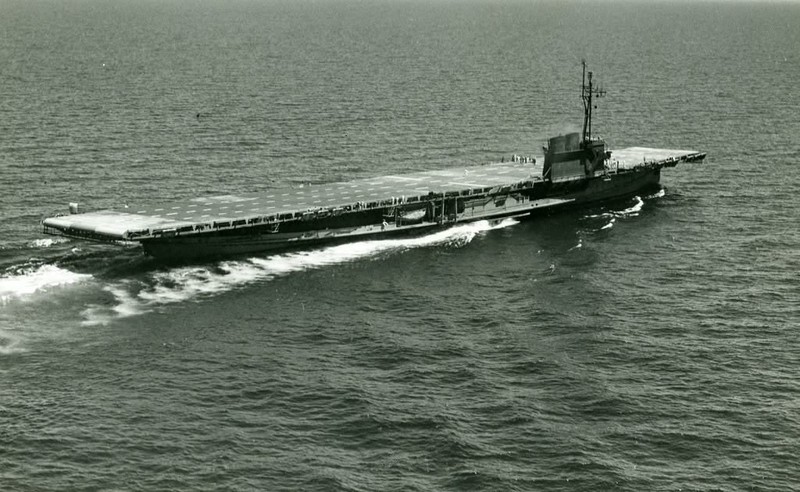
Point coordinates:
pixel 618 186
pixel 210 246
pixel 496 208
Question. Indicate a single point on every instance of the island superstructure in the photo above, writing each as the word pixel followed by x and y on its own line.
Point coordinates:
pixel 576 169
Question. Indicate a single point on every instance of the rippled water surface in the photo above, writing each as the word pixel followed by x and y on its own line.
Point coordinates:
pixel 649 344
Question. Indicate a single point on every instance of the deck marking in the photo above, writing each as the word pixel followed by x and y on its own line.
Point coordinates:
pixel 404 178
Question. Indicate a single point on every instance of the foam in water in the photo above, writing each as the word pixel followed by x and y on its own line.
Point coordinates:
pixel 47 242
pixel 125 304
pixel 27 281
pixel 635 209
pixel 189 283
pixel 10 344
pixel 577 246
pixel 631 211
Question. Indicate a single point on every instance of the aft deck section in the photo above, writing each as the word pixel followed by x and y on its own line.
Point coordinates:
pixel 243 210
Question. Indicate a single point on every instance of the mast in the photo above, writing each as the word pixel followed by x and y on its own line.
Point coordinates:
pixel 587 91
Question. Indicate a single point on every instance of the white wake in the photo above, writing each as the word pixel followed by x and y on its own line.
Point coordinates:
pixel 132 297
pixel 26 281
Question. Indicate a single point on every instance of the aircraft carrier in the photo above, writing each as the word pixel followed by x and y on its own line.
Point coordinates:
pixel 575 169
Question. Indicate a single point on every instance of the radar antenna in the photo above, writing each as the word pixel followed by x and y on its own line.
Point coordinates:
pixel 587 92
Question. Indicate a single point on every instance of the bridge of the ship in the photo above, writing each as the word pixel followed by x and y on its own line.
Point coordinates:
pixel 280 204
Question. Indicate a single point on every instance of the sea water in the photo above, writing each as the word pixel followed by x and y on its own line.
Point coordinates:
pixel 647 344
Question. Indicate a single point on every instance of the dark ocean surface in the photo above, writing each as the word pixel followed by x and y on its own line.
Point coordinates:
pixel 650 344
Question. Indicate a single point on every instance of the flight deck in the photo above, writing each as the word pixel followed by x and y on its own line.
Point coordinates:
pixel 279 204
